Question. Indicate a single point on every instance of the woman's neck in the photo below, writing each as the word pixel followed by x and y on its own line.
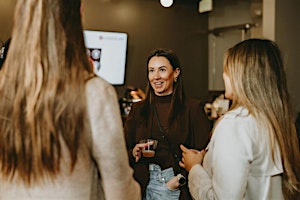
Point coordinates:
pixel 163 99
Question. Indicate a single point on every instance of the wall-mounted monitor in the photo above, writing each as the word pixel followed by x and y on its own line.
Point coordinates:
pixel 107 51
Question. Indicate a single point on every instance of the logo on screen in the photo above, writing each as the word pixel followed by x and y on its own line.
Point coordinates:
pixel 95 56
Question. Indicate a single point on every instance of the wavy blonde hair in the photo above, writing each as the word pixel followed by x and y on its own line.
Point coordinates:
pixel 42 95
pixel 256 72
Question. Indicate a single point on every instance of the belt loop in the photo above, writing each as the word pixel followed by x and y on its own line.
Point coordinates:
pixel 151 167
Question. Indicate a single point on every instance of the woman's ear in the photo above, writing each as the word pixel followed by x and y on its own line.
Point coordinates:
pixel 177 72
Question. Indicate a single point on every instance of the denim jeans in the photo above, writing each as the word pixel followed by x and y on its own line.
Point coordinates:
pixel 156 189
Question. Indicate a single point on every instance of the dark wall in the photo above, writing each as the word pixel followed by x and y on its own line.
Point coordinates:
pixel 149 26
pixel 287 35
pixel 6 18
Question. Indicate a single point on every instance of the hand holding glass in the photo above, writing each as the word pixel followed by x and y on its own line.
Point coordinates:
pixel 149 148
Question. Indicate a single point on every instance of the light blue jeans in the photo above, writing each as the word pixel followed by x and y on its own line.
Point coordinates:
pixel 157 189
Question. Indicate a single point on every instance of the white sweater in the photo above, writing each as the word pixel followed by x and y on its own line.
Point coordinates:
pixel 238 163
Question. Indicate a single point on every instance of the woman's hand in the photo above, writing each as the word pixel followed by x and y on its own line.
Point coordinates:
pixel 137 150
pixel 190 157
pixel 173 183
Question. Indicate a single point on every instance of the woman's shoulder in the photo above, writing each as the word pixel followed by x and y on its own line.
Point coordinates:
pixel 95 83
pixel 136 107
pixel 240 130
pixel 237 113
pixel 193 104
pixel 239 116
pixel 237 123
pixel 236 126
pixel 99 90
pixel 191 101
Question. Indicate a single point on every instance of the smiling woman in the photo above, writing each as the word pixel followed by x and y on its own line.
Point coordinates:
pixel 169 117
pixel 161 75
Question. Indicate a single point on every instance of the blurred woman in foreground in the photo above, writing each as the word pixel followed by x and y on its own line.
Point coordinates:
pixel 57 140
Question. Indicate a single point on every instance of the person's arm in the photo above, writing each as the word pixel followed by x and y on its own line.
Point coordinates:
pixel 228 157
pixel 108 142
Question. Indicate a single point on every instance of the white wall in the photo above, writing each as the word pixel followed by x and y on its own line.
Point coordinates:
pixel 227 14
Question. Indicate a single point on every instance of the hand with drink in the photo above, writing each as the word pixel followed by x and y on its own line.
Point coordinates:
pixel 144 147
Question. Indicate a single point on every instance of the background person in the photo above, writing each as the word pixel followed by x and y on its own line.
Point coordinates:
pixel 179 120
pixel 57 139
pixel 3 51
pixel 253 152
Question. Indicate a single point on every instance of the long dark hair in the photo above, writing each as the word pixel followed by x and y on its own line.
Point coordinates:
pixel 178 96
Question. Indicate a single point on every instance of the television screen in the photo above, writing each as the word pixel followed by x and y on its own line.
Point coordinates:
pixel 107 51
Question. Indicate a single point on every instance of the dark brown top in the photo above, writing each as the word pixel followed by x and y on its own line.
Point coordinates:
pixel 192 130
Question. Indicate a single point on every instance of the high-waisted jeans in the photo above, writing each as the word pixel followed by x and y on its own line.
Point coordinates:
pixel 157 189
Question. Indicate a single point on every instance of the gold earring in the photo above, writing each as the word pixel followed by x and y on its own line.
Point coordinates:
pixel 175 79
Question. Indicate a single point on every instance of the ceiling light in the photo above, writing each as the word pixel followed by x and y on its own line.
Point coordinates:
pixel 166 3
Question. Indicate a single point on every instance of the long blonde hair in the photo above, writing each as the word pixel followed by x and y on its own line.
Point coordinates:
pixel 256 72
pixel 42 98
